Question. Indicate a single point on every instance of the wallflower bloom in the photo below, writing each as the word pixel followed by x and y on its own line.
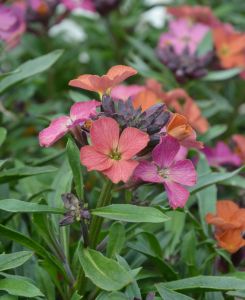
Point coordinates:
pixel 166 170
pixel 74 4
pixel 230 47
pixel 221 155
pixel 240 145
pixel 112 153
pixel 103 84
pixel 79 113
pixel 229 222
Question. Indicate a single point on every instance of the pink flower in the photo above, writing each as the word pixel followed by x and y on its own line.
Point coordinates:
pixel 184 35
pixel 123 92
pixel 74 4
pixel 221 155
pixel 167 170
pixel 112 153
pixel 79 113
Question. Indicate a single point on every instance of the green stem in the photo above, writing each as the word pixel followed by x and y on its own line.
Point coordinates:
pixel 96 223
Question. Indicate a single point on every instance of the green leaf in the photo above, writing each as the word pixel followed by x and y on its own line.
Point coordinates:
pixel 206 283
pixel 213 133
pixel 13 205
pixel 131 213
pixel 116 239
pixel 73 154
pixel 76 296
pixel 30 68
pixel 111 296
pixel 14 260
pixel 19 287
pixel 104 272
pixel 188 248
pixel 206 45
pixel 3 134
pixel 167 294
pixel 18 173
pixel 222 75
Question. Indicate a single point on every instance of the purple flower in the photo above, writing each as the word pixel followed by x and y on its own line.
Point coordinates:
pixel 221 155
pixel 172 173
pixel 183 35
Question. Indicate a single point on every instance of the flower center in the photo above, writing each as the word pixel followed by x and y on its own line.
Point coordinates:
pixel 164 173
pixel 115 155
pixel 224 50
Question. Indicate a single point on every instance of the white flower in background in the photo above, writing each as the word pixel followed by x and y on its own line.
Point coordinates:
pixel 155 16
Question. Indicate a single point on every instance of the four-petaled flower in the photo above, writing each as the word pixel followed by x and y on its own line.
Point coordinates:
pixel 112 153
pixel 79 113
pixel 164 169
pixel 103 84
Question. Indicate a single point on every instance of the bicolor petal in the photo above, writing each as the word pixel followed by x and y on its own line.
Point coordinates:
pixel 82 111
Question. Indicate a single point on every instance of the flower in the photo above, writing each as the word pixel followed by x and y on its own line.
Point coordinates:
pixel 74 4
pixel 229 222
pixel 79 113
pixel 123 92
pixel 172 174
pixel 103 84
pixel 240 145
pixel 183 35
pixel 113 153
pixel 221 155
pixel 230 47
pixel 12 24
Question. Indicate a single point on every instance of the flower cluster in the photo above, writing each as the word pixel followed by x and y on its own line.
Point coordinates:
pixel 126 139
pixel 229 222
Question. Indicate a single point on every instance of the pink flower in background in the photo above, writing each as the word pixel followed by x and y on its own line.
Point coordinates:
pixel 74 4
pixel 221 155
pixel 172 173
pixel 79 113
pixel 112 153
pixel 183 35
pixel 12 24
pixel 123 92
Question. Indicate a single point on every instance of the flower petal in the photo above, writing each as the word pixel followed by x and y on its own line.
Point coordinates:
pixel 56 130
pixel 183 172
pixel 132 141
pixel 121 170
pixel 164 153
pixel 82 111
pixel 119 73
pixel 147 171
pixel 177 195
pixel 231 240
pixel 105 135
pixel 93 159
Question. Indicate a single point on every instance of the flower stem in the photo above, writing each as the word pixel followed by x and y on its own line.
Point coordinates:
pixel 96 223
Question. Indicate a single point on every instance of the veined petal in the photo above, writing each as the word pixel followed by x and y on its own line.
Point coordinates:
pixel 56 130
pixel 105 135
pixel 183 172
pixel 132 141
pixel 121 170
pixel 164 153
pixel 177 194
pixel 119 73
pixel 147 171
pixel 82 111
pixel 93 159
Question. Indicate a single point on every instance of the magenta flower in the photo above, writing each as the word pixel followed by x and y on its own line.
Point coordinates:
pixel 221 155
pixel 111 153
pixel 74 4
pixel 167 170
pixel 79 113
pixel 183 35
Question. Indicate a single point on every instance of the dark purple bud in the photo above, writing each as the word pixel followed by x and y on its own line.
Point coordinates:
pixel 67 220
pixel 103 7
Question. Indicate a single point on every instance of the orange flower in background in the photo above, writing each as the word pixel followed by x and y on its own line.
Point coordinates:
pixel 182 103
pixel 103 84
pixel 240 145
pixel 229 222
pixel 230 47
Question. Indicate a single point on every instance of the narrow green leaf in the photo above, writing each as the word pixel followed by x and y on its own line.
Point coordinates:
pixel 13 205
pixel 167 294
pixel 222 75
pixel 131 213
pixel 75 164
pixel 19 287
pixel 213 133
pixel 188 248
pixel 104 272
pixel 3 134
pixel 14 260
pixel 116 241
pixel 206 45
pixel 30 68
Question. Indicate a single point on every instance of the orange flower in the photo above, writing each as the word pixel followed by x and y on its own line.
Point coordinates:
pixel 182 103
pixel 230 47
pixel 240 145
pixel 103 84
pixel 229 222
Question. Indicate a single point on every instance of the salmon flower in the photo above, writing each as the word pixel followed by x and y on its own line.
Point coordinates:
pixel 103 84
pixel 229 222
pixel 79 113
pixel 167 170
pixel 240 145
pixel 230 47
pixel 111 153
